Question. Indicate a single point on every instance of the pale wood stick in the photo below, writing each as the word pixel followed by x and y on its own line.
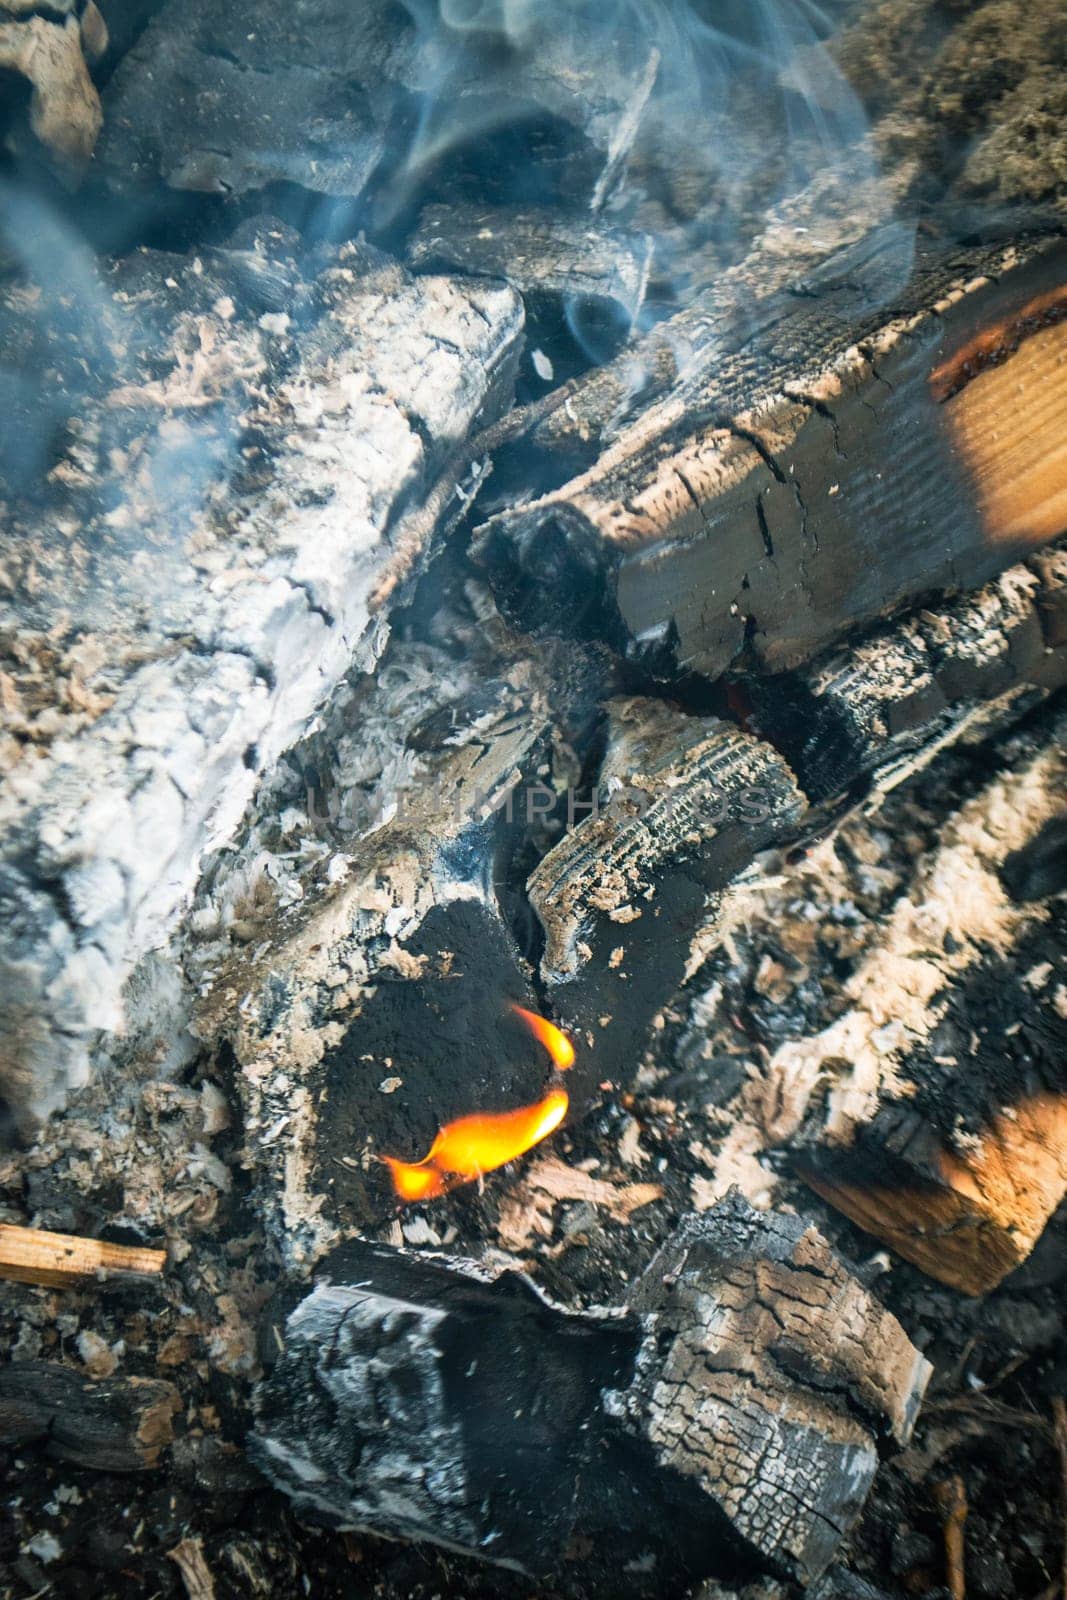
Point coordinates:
pixel 59 1260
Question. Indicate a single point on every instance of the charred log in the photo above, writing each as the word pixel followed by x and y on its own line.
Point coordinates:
pixel 933 1109
pixel 109 1424
pixel 737 1402
pixel 223 469
pixel 823 468
pixel 907 688
pixel 682 805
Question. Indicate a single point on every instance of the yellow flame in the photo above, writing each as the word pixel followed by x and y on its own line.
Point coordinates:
pixel 556 1043
pixel 465 1149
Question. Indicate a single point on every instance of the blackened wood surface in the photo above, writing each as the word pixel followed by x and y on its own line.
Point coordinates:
pixel 814 466
pixel 737 1404
pixel 110 1424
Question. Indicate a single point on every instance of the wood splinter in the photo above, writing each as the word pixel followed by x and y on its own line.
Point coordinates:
pixel 63 1260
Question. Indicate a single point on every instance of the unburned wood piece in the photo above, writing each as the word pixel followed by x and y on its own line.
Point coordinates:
pixel 62 1260
pixel 830 467
pixel 108 1424
pixel 737 1402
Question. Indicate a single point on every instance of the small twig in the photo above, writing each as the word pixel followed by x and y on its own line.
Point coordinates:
pixel 1059 1423
pixel 62 1260
pixel 951 1496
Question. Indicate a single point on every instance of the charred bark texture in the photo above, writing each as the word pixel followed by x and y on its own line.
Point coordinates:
pixel 933 1109
pixel 110 1424
pixel 683 804
pixel 895 697
pixel 813 471
pixel 737 1403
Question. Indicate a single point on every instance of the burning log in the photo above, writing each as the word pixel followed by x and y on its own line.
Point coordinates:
pixel 822 468
pixel 395 987
pixel 933 1110
pixel 737 1401
pixel 227 509
pixel 108 1424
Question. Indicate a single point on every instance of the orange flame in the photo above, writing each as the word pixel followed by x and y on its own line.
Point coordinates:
pixel 466 1148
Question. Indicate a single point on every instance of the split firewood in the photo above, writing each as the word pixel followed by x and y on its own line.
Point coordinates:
pixel 108 1424
pixel 226 510
pixel 933 1110
pixel 737 1401
pixel 822 470
pixel 63 1260
pixel 896 696
pixel 682 805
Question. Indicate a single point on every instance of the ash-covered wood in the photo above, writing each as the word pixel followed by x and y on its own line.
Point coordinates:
pixel 737 1403
pixel 376 1006
pixel 911 685
pixel 682 804
pixel 933 1109
pixel 562 264
pixel 821 468
pixel 109 1424
pixel 221 471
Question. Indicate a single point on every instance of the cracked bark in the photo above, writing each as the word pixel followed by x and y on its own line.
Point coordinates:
pixel 739 1400
pixel 818 466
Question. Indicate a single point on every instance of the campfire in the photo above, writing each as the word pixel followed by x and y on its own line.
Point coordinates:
pixel 533 1004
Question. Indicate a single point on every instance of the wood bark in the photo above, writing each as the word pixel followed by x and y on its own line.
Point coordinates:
pixel 109 1425
pixel 222 471
pixel 737 1402
pixel 817 470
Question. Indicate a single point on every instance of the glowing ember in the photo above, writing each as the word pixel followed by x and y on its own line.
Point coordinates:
pixel 466 1148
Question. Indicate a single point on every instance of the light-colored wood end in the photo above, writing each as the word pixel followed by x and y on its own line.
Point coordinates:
pixel 1009 423
pixel 62 1260
pixel 982 1214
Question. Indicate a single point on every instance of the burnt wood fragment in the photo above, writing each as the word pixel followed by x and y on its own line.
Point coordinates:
pixel 225 467
pixel 724 1425
pixel 910 686
pixel 933 1109
pixel 814 471
pixel 109 1424
pixel 564 266
pixel 683 804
